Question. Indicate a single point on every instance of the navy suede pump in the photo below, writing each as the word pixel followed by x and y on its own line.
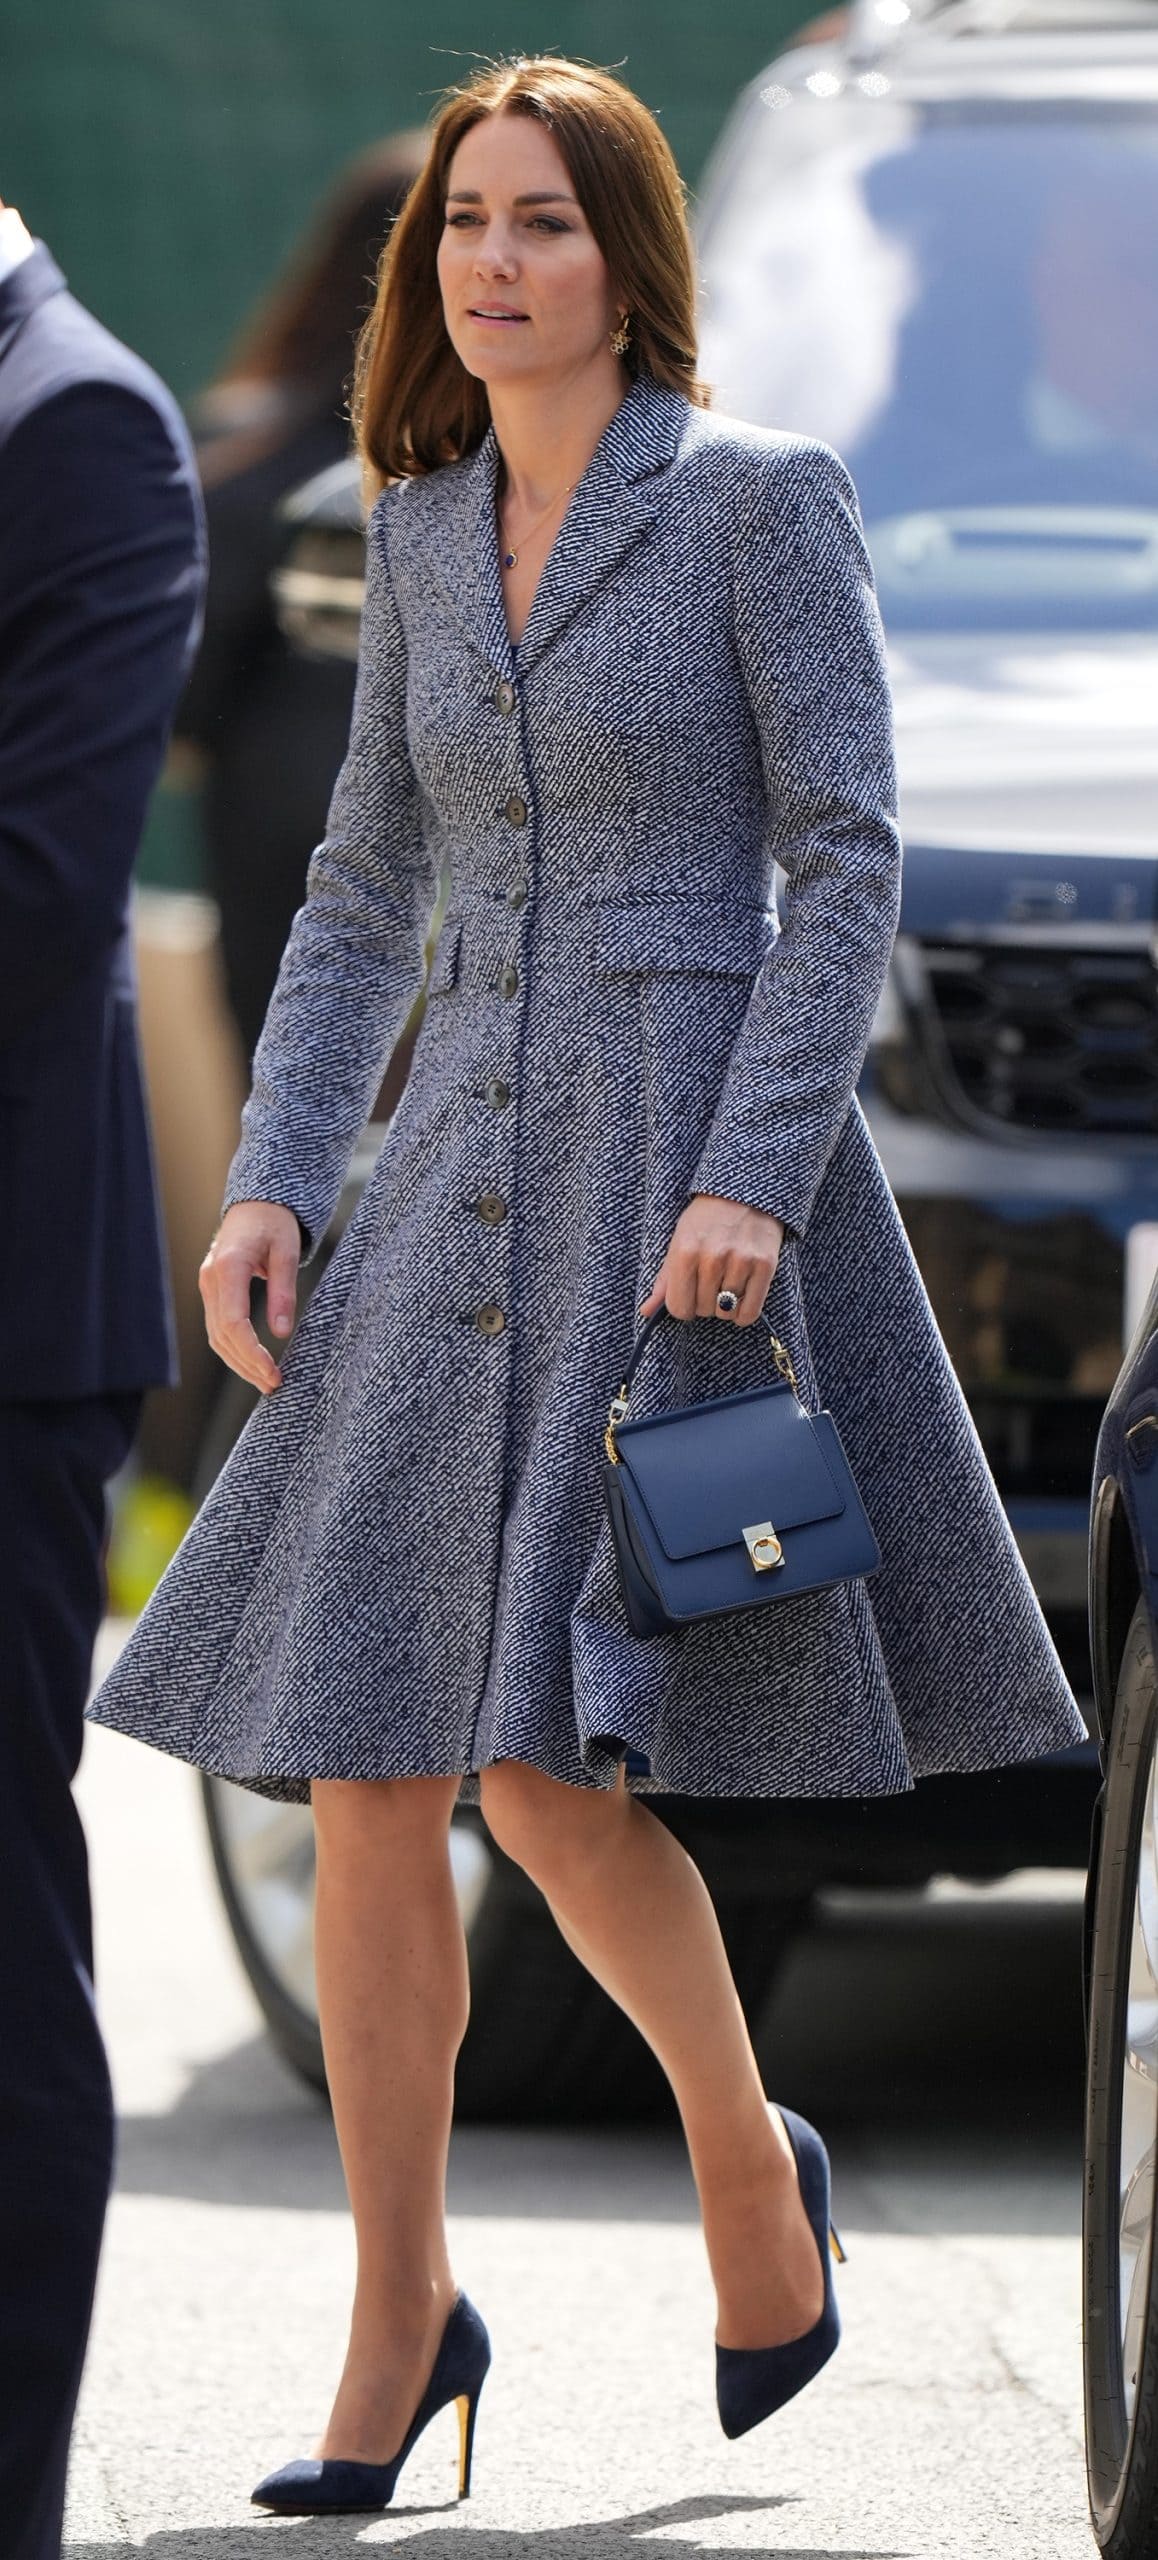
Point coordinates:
pixel 315 2488
pixel 752 2382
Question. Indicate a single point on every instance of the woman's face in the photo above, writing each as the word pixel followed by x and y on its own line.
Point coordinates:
pixel 525 290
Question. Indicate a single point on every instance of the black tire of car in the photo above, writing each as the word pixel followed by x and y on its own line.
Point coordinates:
pixel 544 2043
pixel 1121 2457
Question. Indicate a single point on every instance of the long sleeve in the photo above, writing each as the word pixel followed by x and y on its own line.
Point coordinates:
pixel 354 960
pixel 823 711
pixel 102 566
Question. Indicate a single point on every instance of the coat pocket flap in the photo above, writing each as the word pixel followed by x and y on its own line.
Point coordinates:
pixel 684 934
pixel 708 1472
pixel 444 965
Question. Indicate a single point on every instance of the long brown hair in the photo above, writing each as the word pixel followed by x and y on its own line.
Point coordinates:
pixel 415 405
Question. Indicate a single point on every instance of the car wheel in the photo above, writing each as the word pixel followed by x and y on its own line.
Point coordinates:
pixel 1120 2268
pixel 544 2043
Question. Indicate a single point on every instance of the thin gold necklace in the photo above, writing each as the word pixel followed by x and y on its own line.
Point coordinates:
pixel 510 556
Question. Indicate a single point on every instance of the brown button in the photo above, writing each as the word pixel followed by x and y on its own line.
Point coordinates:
pixel 491 1209
pixel 490 1319
pixel 497 1093
pixel 504 695
pixel 517 894
pixel 516 810
pixel 507 981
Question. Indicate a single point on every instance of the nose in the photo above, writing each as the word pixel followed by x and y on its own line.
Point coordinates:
pixel 495 254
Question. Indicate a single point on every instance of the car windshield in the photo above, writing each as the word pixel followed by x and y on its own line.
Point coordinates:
pixel 963 299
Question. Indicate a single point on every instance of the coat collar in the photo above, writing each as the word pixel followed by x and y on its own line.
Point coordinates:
pixel 24 288
pixel 610 511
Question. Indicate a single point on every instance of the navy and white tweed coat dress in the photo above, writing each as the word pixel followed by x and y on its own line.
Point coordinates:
pixel 405 1566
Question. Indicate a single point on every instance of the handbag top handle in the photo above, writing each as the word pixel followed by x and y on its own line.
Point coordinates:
pixel 617 1411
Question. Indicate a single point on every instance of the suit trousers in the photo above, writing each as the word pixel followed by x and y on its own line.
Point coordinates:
pixel 56 2116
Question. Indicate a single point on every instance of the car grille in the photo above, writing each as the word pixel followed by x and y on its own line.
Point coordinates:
pixel 1040 1038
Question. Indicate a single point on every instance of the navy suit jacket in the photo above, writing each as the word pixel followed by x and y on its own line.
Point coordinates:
pixel 102 570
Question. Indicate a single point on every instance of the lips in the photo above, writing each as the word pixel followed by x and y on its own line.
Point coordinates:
pixel 494 312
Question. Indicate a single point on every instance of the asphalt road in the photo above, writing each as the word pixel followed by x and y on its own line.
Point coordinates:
pixel 939 2043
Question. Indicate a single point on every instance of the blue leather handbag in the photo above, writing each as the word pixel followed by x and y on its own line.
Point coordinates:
pixel 729 1504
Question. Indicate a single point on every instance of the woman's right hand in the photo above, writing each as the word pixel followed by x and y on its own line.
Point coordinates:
pixel 256 1240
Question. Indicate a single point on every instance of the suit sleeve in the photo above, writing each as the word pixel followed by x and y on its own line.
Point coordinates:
pixel 101 574
pixel 822 707
pixel 355 957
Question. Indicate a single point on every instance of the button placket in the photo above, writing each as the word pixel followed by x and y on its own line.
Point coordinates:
pixel 490 1207
pixel 516 813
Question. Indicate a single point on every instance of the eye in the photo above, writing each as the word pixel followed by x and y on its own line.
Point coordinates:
pixel 455 221
pixel 548 222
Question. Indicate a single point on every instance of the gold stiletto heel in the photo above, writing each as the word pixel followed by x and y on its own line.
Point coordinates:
pixel 837 2246
pixel 467 2412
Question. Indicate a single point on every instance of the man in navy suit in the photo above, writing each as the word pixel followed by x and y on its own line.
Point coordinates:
pixel 101 577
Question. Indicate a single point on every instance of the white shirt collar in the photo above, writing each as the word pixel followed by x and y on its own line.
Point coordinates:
pixel 16 243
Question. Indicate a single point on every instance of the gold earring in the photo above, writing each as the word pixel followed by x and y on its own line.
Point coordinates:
pixel 620 338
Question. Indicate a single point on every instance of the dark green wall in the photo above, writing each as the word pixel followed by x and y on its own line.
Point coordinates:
pixel 169 150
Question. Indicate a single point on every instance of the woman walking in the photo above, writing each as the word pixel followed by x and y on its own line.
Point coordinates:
pixel 618 656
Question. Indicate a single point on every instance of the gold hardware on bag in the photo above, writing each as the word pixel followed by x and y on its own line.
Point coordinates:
pixel 763 1546
pixel 616 1413
pixel 783 1359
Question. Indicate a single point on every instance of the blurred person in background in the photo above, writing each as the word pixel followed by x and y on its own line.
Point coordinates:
pixel 269 728
pixel 102 564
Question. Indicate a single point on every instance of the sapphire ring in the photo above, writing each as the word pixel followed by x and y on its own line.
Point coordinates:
pixel 727 1301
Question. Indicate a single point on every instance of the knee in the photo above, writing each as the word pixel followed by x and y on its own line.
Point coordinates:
pixel 553 1831
pixel 370 1818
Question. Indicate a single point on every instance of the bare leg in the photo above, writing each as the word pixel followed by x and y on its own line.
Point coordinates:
pixel 393 2001
pixel 635 1909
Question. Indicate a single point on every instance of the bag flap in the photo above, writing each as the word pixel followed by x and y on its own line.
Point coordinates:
pixel 709 1471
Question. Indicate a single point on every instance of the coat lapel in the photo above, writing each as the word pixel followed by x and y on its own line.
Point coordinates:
pixel 465 560
pixel 610 512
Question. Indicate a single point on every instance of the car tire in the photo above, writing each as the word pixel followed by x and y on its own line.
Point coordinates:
pixel 268 1899
pixel 1120 2327
pixel 544 2043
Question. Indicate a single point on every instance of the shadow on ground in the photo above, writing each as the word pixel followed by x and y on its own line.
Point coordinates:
pixel 326 2539
pixel 939 2047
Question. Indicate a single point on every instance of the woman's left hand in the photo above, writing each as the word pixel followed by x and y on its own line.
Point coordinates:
pixel 717 1244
